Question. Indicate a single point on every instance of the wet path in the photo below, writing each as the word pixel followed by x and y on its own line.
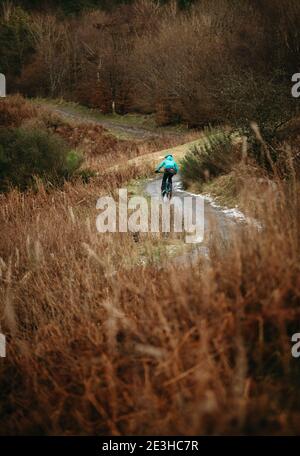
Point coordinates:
pixel 217 223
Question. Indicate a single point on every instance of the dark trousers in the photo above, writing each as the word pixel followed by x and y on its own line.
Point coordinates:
pixel 167 179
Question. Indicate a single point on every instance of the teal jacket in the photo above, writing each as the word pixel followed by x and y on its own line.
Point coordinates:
pixel 168 163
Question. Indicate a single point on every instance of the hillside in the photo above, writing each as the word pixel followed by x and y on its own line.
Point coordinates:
pixel 131 331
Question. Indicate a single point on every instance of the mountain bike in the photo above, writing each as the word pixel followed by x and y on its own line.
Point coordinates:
pixel 169 188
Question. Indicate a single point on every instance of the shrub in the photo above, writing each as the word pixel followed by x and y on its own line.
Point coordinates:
pixel 26 154
pixel 17 111
pixel 213 156
pixel 14 110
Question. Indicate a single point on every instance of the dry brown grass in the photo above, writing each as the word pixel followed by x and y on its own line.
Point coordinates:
pixel 14 110
pixel 99 343
pixel 103 340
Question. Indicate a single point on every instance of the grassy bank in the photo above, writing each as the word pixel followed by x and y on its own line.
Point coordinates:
pixel 105 338
pixel 101 342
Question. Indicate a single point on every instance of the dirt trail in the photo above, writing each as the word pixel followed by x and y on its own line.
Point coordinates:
pixel 217 223
pixel 132 132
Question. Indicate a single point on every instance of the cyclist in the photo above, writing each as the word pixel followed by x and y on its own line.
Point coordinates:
pixel 170 169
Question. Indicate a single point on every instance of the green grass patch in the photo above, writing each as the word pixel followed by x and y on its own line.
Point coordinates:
pixel 213 156
pixel 133 120
pixel 224 189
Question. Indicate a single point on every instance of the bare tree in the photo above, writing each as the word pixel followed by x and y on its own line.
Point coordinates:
pixel 53 44
pixel 7 10
pixel 106 43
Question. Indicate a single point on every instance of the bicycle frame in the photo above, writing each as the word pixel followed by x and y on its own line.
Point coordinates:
pixel 169 187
